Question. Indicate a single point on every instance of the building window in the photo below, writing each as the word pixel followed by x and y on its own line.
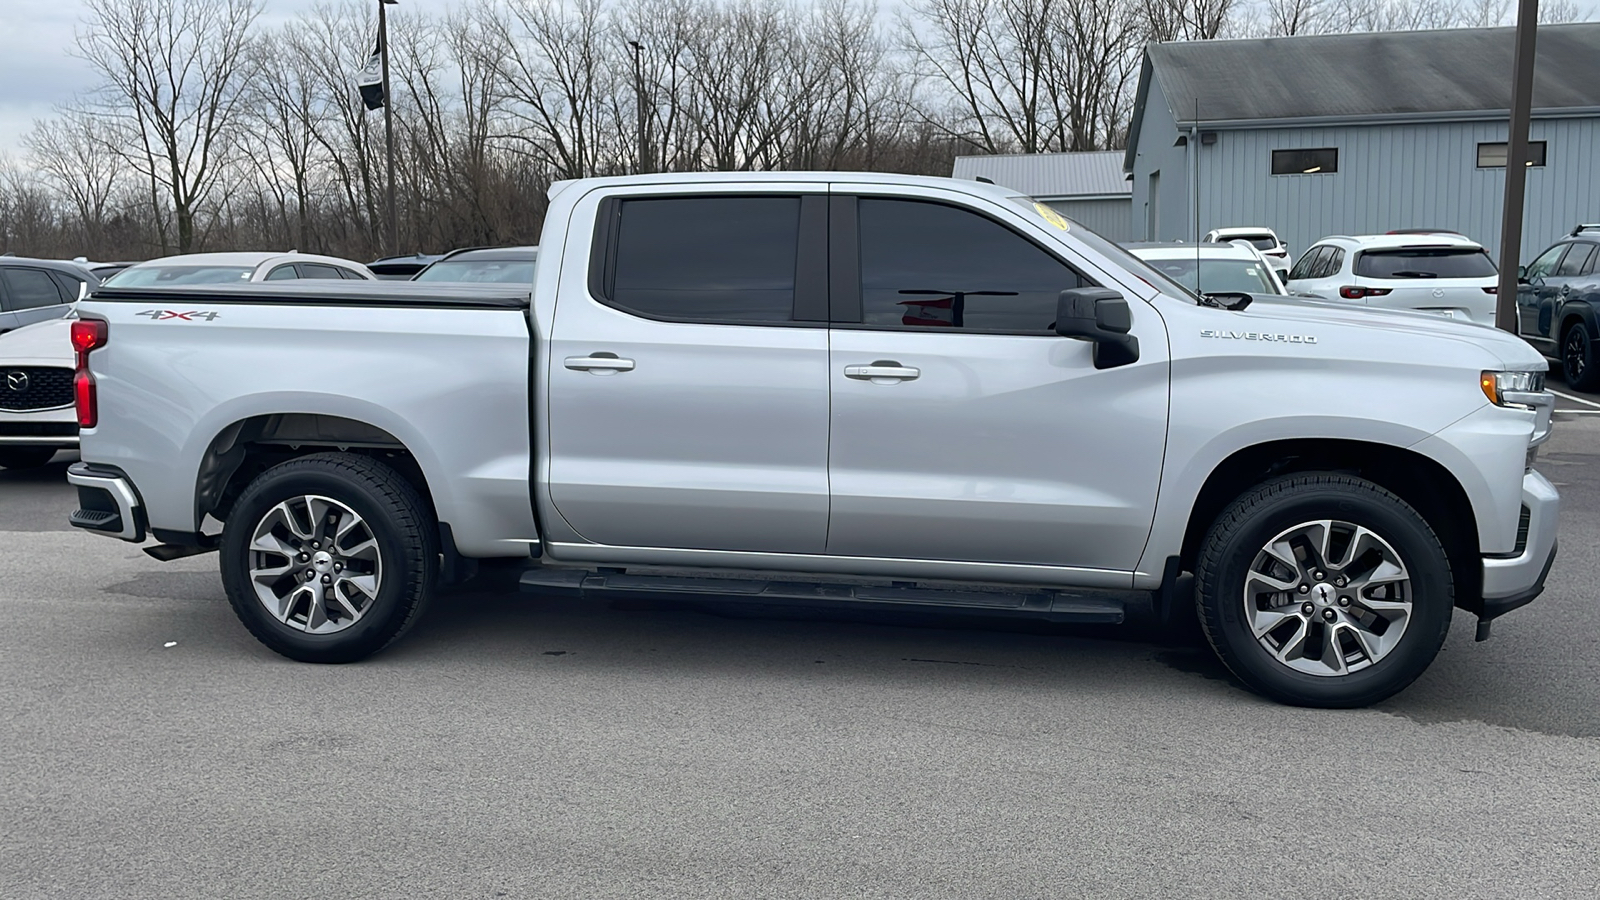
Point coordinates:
pixel 1493 155
pixel 1318 161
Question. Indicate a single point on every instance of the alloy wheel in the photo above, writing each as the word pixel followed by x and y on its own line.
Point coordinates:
pixel 1575 354
pixel 1328 598
pixel 314 564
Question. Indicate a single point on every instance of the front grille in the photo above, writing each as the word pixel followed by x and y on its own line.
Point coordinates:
pixel 1522 532
pixel 35 388
pixel 38 429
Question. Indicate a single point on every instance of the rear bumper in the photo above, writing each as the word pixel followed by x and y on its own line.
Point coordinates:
pixel 1513 581
pixel 108 503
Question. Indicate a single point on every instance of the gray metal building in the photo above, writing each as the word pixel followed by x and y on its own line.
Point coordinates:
pixel 1362 133
pixel 1087 187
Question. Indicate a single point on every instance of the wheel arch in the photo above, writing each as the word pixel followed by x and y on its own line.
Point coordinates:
pixel 1423 482
pixel 244 448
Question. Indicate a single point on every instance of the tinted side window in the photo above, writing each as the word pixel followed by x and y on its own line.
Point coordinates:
pixel 68 285
pixel 710 259
pixel 282 273
pixel 29 288
pixel 1575 260
pixel 1332 262
pixel 1306 264
pixel 317 270
pixel 1594 260
pixel 927 265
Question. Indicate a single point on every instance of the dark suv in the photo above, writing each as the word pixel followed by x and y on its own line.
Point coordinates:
pixel 1558 305
pixel 32 290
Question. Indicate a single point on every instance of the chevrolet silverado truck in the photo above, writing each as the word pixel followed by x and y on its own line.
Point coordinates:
pixel 824 388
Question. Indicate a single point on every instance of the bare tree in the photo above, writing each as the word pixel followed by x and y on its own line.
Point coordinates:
pixel 171 72
pixel 76 155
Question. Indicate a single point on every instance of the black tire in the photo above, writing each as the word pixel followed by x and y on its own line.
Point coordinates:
pixel 1242 532
pixel 1577 359
pixel 25 457
pixel 406 544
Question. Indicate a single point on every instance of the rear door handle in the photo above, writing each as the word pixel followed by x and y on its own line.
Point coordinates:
pixel 598 363
pixel 883 371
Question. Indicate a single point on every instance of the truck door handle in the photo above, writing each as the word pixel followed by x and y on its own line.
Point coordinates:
pixel 883 371
pixel 599 363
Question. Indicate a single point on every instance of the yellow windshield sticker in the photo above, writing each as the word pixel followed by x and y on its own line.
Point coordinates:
pixel 1051 216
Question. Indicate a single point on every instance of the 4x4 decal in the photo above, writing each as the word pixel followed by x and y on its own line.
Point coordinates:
pixel 161 315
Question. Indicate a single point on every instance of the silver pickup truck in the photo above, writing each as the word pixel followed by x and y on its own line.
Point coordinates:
pixel 833 389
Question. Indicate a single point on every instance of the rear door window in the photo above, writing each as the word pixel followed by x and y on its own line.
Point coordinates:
pixel 282 273
pixel 1576 260
pixel 1425 262
pixel 70 286
pixel 29 288
pixel 706 259
pixel 929 265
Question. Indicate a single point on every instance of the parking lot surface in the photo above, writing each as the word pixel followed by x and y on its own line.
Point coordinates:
pixel 524 746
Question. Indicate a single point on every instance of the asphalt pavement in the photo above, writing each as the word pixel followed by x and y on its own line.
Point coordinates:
pixel 525 746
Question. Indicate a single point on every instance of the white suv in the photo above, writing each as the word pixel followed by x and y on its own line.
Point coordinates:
pixel 1444 274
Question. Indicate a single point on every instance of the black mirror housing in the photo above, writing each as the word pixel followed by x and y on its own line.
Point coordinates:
pixel 1103 317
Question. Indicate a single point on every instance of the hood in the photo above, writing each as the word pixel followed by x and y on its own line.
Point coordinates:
pixel 46 343
pixel 1512 351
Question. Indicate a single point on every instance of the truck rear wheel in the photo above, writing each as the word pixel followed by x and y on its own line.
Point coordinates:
pixel 1324 590
pixel 329 558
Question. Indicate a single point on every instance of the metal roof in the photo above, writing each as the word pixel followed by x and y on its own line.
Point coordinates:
pixel 1051 176
pixel 1381 74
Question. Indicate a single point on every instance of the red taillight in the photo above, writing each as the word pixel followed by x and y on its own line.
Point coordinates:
pixel 83 394
pixel 87 334
pixel 1356 293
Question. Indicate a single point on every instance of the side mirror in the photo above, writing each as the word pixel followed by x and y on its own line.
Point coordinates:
pixel 1102 317
pixel 1522 274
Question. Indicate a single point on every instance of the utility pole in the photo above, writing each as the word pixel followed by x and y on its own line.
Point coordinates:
pixel 638 103
pixel 1505 307
pixel 392 239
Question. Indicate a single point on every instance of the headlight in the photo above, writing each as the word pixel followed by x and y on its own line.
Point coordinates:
pixel 1512 388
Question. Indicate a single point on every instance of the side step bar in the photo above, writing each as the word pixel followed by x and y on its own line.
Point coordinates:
pixel 1056 606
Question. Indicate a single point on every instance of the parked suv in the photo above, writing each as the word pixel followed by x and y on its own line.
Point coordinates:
pixel 1445 274
pixel 1558 297
pixel 33 290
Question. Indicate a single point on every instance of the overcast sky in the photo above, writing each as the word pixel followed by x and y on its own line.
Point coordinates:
pixel 38 68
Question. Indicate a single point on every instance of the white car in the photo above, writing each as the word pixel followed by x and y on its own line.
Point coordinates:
pixel 1440 273
pixel 1235 267
pixel 235 268
pixel 1261 237
pixel 37 417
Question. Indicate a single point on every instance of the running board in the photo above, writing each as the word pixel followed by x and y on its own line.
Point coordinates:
pixel 1057 606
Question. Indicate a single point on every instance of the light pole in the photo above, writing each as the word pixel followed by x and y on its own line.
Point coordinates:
pixel 1505 306
pixel 638 102
pixel 392 239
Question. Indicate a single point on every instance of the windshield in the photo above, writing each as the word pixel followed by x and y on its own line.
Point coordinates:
pixel 1218 275
pixel 1135 266
pixel 162 276
pixel 1414 262
pixel 481 271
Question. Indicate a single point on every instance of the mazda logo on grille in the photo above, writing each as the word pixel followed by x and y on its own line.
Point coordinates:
pixel 17 381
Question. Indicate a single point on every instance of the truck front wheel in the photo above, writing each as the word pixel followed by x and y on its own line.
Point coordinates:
pixel 1324 590
pixel 328 558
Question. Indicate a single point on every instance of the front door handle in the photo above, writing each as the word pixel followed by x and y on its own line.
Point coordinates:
pixel 883 371
pixel 599 363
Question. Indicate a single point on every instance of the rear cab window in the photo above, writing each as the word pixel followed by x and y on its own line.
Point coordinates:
pixel 1425 262
pixel 715 259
